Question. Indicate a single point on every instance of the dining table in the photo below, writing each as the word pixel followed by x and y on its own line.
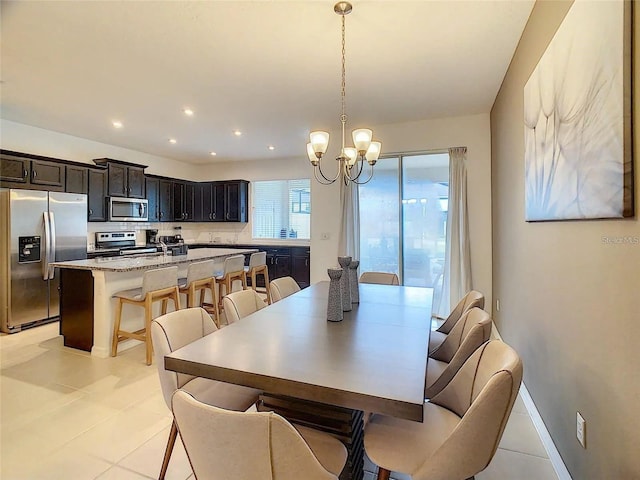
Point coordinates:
pixel 326 374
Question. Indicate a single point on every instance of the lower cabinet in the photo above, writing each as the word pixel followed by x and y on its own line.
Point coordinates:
pixel 76 308
pixel 301 265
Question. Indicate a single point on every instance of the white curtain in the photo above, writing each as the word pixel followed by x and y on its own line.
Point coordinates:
pixel 349 243
pixel 457 263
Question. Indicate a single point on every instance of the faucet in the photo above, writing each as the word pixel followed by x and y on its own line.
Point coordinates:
pixel 164 247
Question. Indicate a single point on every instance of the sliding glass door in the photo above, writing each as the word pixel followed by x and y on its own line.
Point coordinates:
pixel 403 214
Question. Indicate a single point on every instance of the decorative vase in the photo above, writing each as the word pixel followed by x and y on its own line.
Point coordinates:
pixel 334 302
pixel 344 283
pixel 353 281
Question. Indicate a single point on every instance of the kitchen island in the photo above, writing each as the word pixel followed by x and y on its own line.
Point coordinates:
pixel 86 288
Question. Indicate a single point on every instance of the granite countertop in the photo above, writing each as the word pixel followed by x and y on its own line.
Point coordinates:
pixel 144 262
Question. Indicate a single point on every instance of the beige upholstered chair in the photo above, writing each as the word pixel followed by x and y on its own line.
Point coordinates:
pixel 462 425
pixel 253 445
pixel 382 278
pixel 258 266
pixel 470 300
pixel 283 287
pixel 199 279
pixel 471 331
pixel 238 305
pixel 175 330
pixel 233 270
pixel 160 284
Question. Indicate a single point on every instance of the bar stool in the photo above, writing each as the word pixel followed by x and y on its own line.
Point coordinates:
pixel 157 284
pixel 233 270
pixel 199 279
pixel 258 266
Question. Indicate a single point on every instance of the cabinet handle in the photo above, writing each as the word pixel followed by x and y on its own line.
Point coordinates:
pixel 276 260
pixel 306 262
pixel 35 174
pixel 214 216
pixel 228 216
pixel 161 215
pixel 90 212
pixel 26 173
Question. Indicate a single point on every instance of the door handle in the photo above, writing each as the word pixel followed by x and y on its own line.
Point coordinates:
pixel 47 246
pixel 52 227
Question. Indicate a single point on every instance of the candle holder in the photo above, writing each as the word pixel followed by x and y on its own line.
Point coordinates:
pixel 344 283
pixel 353 281
pixel 334 302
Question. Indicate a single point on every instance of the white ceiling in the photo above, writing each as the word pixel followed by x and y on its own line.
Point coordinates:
pixel 268 68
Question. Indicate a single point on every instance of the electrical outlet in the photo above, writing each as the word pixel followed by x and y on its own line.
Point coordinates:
pixel 497 305
pixel 581 429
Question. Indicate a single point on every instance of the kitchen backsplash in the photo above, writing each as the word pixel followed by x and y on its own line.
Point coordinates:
pixel 225 233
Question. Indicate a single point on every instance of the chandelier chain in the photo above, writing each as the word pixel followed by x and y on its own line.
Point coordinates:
pixel 344 75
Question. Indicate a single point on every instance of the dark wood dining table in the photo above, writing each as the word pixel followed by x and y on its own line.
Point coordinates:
pixel 373 361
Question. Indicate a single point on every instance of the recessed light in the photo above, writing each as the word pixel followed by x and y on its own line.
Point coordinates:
pixel 271 147
pixel 188 112
pixel 117 124
pixel 213 154
pixel 237 133
pixel 173 140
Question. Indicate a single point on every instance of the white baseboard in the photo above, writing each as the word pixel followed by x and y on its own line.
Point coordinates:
pixel 547 442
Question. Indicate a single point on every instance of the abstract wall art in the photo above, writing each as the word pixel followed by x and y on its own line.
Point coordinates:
pixel 577 118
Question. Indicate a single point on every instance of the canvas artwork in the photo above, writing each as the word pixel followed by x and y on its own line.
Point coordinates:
pixel 577 117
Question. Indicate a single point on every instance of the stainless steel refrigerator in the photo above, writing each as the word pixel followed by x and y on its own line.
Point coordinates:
pixel 37 228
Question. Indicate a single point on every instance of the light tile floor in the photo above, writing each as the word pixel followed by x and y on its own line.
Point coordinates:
pixel 65 414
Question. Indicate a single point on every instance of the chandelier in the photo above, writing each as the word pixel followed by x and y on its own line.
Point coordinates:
pixel 351 159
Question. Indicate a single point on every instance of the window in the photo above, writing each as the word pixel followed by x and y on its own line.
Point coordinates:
pixel 403 214
pixel 282 209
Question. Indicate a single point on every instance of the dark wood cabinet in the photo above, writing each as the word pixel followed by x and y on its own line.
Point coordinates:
pixel 213 202
pixel 24 172
pixel 124 179
pixel 278 262
pixel 236 198
pixel 222 201
pixel 159 191
pixel 301 265
pixel 183 201
pixel 14 169
pixel 152 188
pixel 77 179
pixel 96 200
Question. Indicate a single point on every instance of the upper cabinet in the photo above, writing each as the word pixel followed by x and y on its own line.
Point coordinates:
pixel 159 193
pixel 77 179
pixel 97 190
pixel 236 198
pixel 124 179
pixel 24 172
pixel 183 201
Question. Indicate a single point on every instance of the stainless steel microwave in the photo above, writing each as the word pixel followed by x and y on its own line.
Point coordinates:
pixel 128 209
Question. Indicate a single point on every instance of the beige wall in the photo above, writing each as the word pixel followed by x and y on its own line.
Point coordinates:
pixel 567 299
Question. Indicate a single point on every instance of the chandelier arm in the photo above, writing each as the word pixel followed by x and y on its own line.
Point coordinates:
pixel 367 180
pixel 319 169
pixel 360 168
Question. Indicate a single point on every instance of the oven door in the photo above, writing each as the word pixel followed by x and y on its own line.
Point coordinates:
pixel 128 209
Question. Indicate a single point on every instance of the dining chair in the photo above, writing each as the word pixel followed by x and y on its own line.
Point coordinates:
pixel 258 266
pixel 472 330
pixel 253 445
pixel 462 425
pixel 199 279
pixel 472 299
pixel 283 287
pixel 158 284
pixel 173 331
pixel 381 278
pixel 233 270
pixel 238 305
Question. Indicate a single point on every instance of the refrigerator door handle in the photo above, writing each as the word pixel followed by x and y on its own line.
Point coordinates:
pixel 47 246
pixel 52 241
